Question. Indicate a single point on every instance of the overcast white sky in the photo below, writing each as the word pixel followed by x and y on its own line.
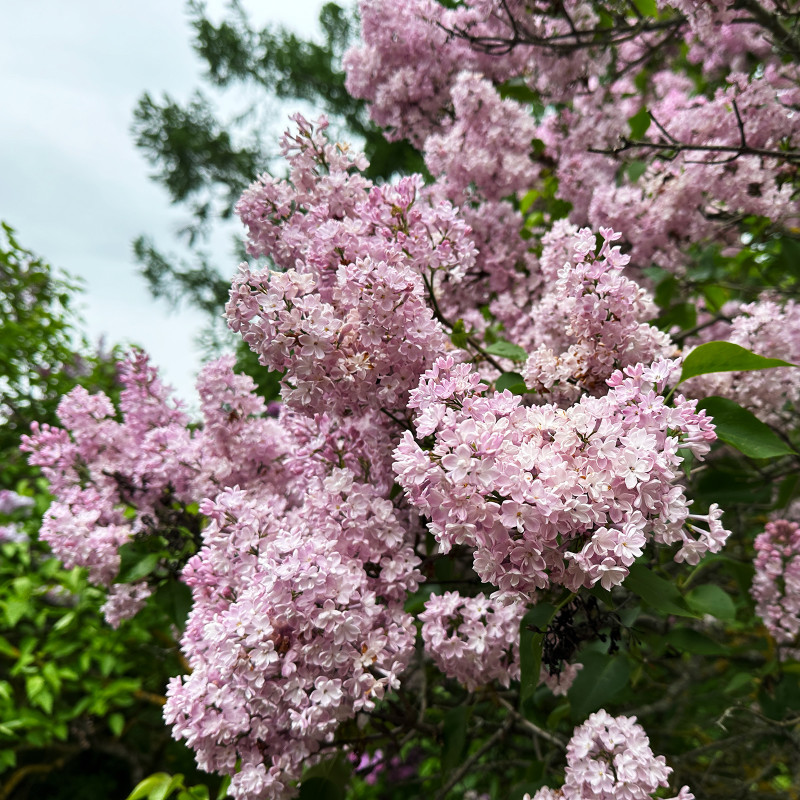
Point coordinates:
pixel 71 181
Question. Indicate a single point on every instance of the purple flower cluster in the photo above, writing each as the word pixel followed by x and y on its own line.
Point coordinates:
pixel 111 478
pixel 609 758
pixel 776 584
pixel 297 624
pixel 347 317
pixel 546 495
pixel 591 321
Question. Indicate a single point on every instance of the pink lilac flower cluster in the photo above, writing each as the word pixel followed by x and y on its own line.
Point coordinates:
pixel 591 322
pixel 297 624
pixel 411 55
pixel 692 197
pixel 475 640
pixel 11 502
pixel 346 318
pixel 488 147
pixel 776 584
pixel 418 60
pixel 610 758
pixel 547 495
pixel 111 478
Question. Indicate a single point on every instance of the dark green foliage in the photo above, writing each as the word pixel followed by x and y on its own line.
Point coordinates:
pixel 42 356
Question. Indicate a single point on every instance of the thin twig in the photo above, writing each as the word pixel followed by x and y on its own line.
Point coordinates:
pixel 790 156
pixel 553 738
pixel 496 737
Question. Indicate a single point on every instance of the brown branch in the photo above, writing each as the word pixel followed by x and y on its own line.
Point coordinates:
pixel 31 769
pixel 790 156
pixel 553 738
pixel 783 39
pixel 564 43
pixel 150 697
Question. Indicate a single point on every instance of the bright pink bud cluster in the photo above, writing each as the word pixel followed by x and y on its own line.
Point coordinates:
pixel 776 584
pixel 547 495
pixel 609 758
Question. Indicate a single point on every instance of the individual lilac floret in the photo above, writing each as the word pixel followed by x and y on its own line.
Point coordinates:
pixel 547 495
pixel 776 584
pixel 609 758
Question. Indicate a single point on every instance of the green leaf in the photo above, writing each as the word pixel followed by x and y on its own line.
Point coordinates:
pixel 711 599
pixel 741 429
pixel 454 737
pixel 531 638
pixel 16 609
pixel 326 781
pixel 512 381
pixel 506 349
pixel 647 8
pixel 528 199
pixel 116 724
pixel 635 170
pixel 738 681
pixel 688 460
pixel 691 641
pixel 175 600
pixel 135 564
pixel 194 793
pixel 787 490
pixel 458 335
pixel 684 315
pixel 725 357
pixel 666 291
pixel 602 677
pixel 715 296
pixel 223 788
pixel 518 91
pixel 639 123
pixel 150 787
pixel 175 783
pixel 662 595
